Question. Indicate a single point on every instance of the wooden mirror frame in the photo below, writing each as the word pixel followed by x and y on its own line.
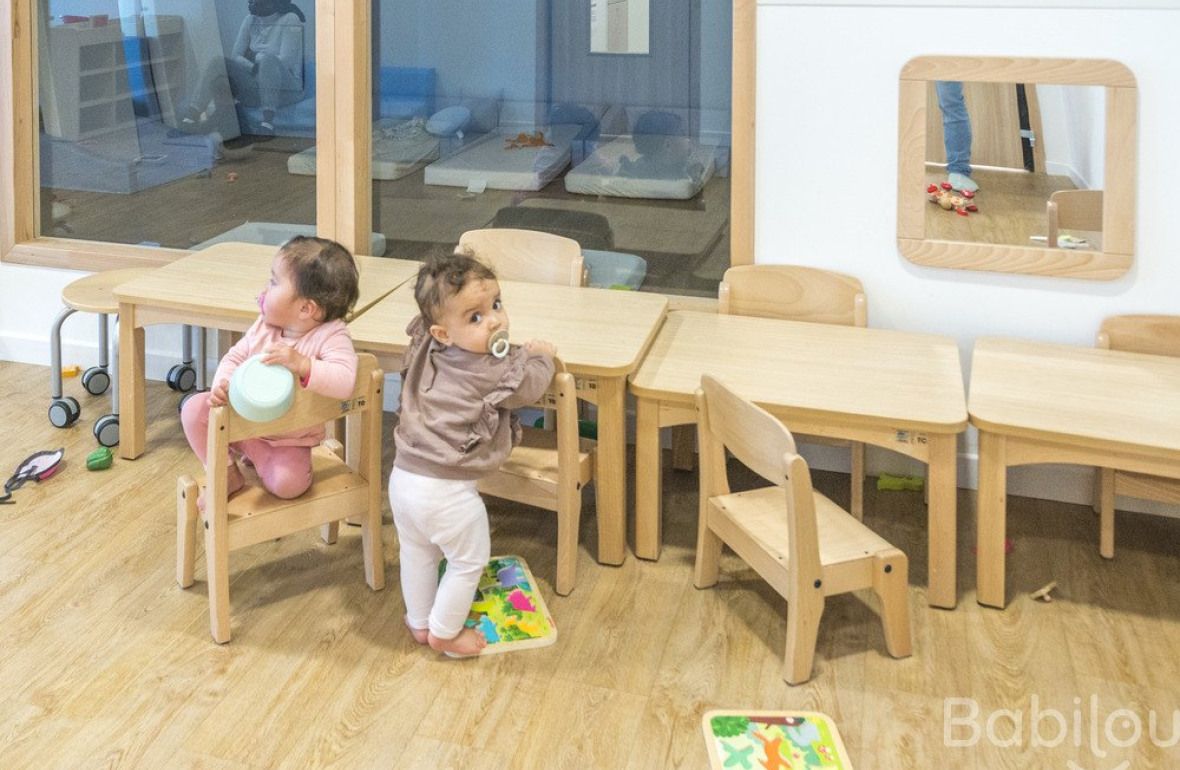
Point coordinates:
pixel 1118 214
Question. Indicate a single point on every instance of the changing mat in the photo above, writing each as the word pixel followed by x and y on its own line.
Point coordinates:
pixel 399 148
pixel 618 170
pixel 495 162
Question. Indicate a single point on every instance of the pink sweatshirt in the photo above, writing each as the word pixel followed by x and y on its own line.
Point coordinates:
pixel 333 366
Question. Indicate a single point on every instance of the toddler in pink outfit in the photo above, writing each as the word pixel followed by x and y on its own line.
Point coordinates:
pixel 313 286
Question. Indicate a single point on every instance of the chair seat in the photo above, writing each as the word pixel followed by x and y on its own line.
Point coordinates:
pixel 251 510
pixel 530 472
pixel 762 515
pixel 95 293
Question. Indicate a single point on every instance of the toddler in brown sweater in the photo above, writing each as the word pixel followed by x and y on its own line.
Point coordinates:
pixel 455 425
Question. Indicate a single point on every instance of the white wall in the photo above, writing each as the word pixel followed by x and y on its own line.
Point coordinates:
pixel 827 122
pixel 1073 123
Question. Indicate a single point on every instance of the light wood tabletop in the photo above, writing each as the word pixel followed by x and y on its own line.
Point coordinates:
pixel 227 277
pixel 596 331
pixel 898 390
pixel 215 288
pixel 1036 402
pixel 600 334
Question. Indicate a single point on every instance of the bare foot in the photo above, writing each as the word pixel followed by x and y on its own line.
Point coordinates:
pixel 420 634
pixel 233 483
pixel 467 642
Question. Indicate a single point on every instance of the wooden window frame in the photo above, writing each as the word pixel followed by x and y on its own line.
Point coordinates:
pixel 343 134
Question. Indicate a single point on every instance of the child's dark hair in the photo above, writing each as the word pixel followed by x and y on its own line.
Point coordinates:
pixel 442 277
pixel 323 271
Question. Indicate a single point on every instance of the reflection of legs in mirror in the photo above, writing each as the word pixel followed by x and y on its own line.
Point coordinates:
pixel 956 134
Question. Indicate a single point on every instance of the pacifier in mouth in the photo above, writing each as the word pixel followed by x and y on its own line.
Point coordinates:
pixel 262 302
pixel 498 343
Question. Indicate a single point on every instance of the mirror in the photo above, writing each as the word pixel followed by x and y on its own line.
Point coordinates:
pixel 1050 144
pixel 619 26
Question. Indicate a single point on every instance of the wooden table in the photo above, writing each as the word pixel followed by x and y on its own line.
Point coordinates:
pixel 1042 403
pixel 217 288
pixel 601 336
pixel 891 389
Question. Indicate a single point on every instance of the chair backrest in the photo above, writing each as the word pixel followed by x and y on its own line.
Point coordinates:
pixel 1073 210
pixel 308 409
pixel 1155 334
pixel 763 444
pixel 527 255
pixel 793 293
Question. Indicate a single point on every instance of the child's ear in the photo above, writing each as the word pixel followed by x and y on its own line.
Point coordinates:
pixel 311 310
pixel 439 332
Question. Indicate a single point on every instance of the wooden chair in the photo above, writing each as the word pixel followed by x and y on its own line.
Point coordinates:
pixel 799 541
pixel 339 488
pixel 549 469
pixel 1073 210
pixel 795 293
pixel 1157 335
pixel 528 255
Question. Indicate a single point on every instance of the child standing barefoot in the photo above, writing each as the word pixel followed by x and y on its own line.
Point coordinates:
pixel 455 426
pixel 313 285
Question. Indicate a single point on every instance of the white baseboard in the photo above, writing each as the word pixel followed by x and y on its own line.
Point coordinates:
pixel 33 349
pixel 1056 168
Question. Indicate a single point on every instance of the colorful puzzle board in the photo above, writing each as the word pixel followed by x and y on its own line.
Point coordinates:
pixel 774 740
pixel 508 608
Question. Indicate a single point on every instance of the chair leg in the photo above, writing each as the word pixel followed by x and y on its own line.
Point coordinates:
pixel 371 545
pixel 186 529
pixel 330 531
pixel 803 614
pixel 708 561
pixel 683 456
pixel 217 576
pixel 891 584
pixel 569 521
pixel 858 480
pixel 1106 512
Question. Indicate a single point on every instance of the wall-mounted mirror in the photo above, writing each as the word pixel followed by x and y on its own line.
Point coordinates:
pixel 1039 156
pixel 619 26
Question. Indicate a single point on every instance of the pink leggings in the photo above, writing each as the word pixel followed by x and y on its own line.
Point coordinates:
pixel 285 470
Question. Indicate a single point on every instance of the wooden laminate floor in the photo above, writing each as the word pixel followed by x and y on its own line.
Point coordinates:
pixel 105 662
pixel 1011 207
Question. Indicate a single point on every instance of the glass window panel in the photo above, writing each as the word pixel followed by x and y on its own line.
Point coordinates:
pixel 504 115
pixel 171 122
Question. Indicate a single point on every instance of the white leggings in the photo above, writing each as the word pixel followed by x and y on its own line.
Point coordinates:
pixel 437 518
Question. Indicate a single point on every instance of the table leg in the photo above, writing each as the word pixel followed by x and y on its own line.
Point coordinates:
pixel 611 480
pixel 132 421
pixel 648 477
pixel 992 519
pixel 942 515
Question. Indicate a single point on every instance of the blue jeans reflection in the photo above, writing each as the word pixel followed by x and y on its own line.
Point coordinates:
pixel 956 126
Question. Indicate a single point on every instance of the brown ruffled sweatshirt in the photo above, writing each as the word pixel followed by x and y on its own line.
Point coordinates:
pixel 455 419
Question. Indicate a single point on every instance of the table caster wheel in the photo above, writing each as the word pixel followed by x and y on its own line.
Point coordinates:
pixel 106 430
pixel 63 412
pixel 182 377
pixel 96 380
